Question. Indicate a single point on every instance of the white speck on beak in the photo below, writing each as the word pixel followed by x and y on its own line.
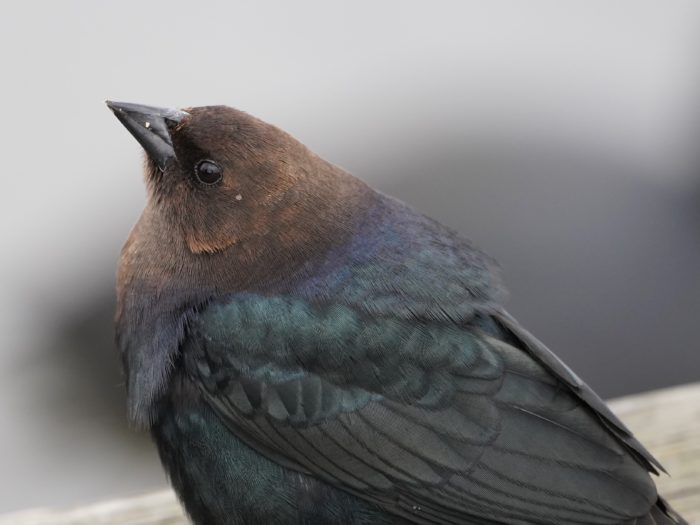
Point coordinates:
pixel 147 124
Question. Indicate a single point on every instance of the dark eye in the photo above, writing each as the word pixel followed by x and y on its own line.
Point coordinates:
pixel 208 172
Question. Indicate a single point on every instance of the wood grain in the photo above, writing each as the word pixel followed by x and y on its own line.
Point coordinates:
pixel 666 421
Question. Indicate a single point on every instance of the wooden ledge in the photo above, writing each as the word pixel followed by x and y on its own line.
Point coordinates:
pixel 666 421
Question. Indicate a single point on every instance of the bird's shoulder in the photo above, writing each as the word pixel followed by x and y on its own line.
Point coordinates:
pixel 399 262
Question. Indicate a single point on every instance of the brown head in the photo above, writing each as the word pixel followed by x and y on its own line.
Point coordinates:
pixel 233 203
pixel 220 180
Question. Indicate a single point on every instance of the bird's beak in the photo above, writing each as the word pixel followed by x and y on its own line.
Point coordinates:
pixel 151 127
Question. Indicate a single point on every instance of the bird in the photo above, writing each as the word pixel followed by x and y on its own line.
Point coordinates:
pixel 305 349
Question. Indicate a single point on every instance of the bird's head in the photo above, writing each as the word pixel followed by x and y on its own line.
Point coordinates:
pixel 220 176
pixel 232 200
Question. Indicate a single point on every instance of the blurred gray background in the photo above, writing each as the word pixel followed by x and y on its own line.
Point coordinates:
pixel 561 136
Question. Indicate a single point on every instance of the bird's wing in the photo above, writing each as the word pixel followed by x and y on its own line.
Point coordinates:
pixel 433 421
pixel 512 330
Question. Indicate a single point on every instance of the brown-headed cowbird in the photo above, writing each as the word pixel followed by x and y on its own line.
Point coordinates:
pixel 307 350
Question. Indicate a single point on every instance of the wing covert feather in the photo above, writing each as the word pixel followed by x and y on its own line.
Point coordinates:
pixel 435 422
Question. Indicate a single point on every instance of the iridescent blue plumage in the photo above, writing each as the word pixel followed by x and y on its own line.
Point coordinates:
pixel 396 262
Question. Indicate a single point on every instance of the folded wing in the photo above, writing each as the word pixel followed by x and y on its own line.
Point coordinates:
pixel 436 422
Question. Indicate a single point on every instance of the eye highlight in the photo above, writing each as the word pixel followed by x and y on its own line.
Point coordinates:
pixel 208 172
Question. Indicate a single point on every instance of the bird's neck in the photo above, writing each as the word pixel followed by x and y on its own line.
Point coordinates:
pixel 161 281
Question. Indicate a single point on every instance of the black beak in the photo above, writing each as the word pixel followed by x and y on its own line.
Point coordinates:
pixel 151 127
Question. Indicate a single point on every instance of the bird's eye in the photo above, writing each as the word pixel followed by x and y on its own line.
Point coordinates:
pixel 208 172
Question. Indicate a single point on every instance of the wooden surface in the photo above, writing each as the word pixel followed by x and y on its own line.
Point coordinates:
pixel 666 421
